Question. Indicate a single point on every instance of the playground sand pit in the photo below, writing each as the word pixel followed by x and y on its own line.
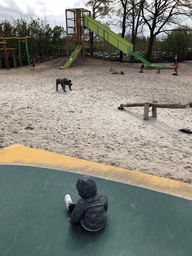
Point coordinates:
pixel 85 122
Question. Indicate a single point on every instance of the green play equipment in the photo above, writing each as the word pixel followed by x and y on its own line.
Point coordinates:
pixel 27 50
pixel 111 37
pixel 27 40
pixel 79 22
pixel 73 56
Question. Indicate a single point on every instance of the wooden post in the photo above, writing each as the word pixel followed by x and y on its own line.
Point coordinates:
pixel 4 49
pixel 79 28
pixel 154 111
pixel 20 52
pixel 31 49
pixel 146 111
pixel 14 59
pixel 158 70
pixel 6 58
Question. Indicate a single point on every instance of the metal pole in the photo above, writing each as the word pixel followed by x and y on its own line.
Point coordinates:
pixel 128 54
pixel 27 50
pixel 20 52
pixel 90 38
pixel 83 44
pixel 103 45
pixel 67 34
pixel 4 49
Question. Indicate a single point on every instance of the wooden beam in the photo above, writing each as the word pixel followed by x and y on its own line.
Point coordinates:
pixel 154 112
pixel 157 105
pixel 132 105
pixel 154 107
pixel 17 37
pixel 146 111
pixel 7 49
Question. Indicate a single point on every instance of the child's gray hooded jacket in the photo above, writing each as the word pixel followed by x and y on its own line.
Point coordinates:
pixel 91 209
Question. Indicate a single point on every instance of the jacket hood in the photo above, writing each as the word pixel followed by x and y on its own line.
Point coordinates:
pixel 86 186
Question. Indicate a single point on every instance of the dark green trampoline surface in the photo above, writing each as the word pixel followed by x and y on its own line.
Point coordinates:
pixel 34 218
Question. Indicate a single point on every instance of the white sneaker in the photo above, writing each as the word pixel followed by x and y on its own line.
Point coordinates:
pixel 68 200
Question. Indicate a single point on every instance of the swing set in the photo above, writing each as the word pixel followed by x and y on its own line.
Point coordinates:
pixel 6 50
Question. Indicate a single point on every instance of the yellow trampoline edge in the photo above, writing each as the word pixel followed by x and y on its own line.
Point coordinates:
pixel 22 155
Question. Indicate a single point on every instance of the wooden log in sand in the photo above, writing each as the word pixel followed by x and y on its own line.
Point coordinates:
pixel 157 105
pixel 154 106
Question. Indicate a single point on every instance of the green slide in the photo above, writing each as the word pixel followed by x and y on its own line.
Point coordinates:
pixel 111 37
pixel 145 61
pixel 73 56
pixel 114 39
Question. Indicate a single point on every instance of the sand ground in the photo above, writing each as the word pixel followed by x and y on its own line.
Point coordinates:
pixel 85 122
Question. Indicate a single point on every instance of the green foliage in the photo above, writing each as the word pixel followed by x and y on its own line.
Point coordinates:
pixel 8 29
pixel 141 45
pixel 20 27
pixel 41 35
pixel 47 41
pixel 177 43
pixel 59 40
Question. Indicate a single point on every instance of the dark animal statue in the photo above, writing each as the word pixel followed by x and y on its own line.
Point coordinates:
pixel 63 82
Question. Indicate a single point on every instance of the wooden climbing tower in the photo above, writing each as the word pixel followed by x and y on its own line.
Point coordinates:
pixel 77 34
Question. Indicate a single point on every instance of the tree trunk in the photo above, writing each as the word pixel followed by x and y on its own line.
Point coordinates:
pixel 92 34
pixel 133 25
pixel 150 47
pixel 123 30
pixel 91 42
pixel 133 41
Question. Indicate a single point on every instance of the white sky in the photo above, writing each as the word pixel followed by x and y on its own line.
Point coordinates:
pixel 52 10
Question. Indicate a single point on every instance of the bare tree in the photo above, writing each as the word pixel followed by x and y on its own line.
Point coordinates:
pixel 134 18
pixel 131 19
pixel 157 14
pixel 99 8
pixel 124 4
